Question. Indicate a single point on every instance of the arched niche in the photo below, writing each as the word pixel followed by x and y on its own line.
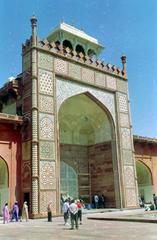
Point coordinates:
pixel 4 183
pixel 144 180
pixel 86 131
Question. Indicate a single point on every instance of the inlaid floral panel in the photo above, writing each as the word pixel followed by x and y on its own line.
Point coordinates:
pixel 45 198
pixel 46 104
pixel 45 61
pixel 47 150
pixel 46 126
pixel 47 175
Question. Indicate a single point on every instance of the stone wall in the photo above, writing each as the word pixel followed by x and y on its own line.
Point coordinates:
pixel 93 164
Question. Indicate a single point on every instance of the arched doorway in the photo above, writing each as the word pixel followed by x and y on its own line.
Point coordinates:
pixel 4 190
pixel 144 179
pixel 86 134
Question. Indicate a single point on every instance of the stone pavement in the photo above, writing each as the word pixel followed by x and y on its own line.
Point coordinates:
pixel 91 229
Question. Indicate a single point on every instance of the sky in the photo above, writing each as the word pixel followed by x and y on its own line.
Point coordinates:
pixel 122 26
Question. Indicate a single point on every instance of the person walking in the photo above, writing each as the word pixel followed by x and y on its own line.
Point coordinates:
pixel 15 212
pixel 6 215
pixel 66 211
pixel 49 212
pixel 25 212
pixel 80 206
pixel 73 214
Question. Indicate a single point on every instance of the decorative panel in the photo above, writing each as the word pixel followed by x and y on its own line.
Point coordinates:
pixel 47 150
pixel 122 102
pixel 87 75
pixel 26 150
pixel 26 175
pixel 35 196
pixel 26 61
pixel 111 82
pixel 124 120
pixel 127 157
pixel 46 103
pixel 74 71
pixel 45 82
pixel 126 138
pixel 46 126
pixel 100 79
pixel 129 176
pixel 45 61
pixel 45 198
pixel 66 89
pixel 122 86
pixel 61 66
pixel 131 197
pixel 47 175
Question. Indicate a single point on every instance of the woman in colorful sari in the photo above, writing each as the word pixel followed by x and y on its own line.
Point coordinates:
pixel 6 215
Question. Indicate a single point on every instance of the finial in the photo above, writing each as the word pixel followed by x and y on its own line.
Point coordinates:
pixel 123 58
pixel 34 21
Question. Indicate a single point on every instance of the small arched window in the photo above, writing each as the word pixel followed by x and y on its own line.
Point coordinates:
pixel 80 49
pixel 68 44
pixel 91 53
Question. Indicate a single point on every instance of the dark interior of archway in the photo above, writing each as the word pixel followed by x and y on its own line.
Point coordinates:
pixel 68 44
pixel 79 49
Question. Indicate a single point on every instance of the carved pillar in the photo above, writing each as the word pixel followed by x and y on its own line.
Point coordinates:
pixel 35 180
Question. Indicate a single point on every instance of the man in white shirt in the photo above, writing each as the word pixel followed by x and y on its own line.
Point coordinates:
pixel 73 214
pixel 66 211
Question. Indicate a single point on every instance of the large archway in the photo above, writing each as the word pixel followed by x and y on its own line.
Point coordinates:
pixel 144 179
pixel 4 190
pixel 86 149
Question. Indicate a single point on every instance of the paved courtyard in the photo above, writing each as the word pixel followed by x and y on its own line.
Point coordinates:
pixel 91 229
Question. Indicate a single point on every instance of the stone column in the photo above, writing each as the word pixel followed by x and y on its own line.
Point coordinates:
pixel 35 181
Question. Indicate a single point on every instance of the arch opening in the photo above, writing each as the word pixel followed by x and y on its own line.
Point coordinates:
pixel 4 188
pixel 86 134
pixel 68 44
pixel 79 49
pixel 144 180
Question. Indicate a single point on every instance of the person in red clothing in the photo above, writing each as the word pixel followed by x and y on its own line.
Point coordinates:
pixel 80 206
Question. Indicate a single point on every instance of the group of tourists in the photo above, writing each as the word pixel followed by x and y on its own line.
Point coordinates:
pixel 15 213
pixel 149 206
pixel 98 201
pixel 73 209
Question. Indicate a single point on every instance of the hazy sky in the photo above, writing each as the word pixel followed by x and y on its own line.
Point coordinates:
pixel 122 26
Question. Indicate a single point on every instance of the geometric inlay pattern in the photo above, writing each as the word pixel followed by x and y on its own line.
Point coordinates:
pixel 46 103
pixel 131 197
pixel 111 82
pixel 87 75
pixel 47 150
pixel 122 86
pixel 45 198
pixel 47 175
pixel 74 71
pixel 46 126
pixel 100 79
pixel 126 138
pixel 45 61
pixel 61 66
pixel 124 120
pixel 26 61
pixel 45 82
pixel 129 176
pixel 127 157
pixel 66 89
pixel 122 102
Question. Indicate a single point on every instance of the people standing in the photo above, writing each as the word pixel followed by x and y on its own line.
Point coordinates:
pixel 66 211
pixel 15 212
pixel 80 206
pixel 96 200
pixel 25 211
pixel 155 200
pixel 6 215
pixel 73 214
pixel 49 212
